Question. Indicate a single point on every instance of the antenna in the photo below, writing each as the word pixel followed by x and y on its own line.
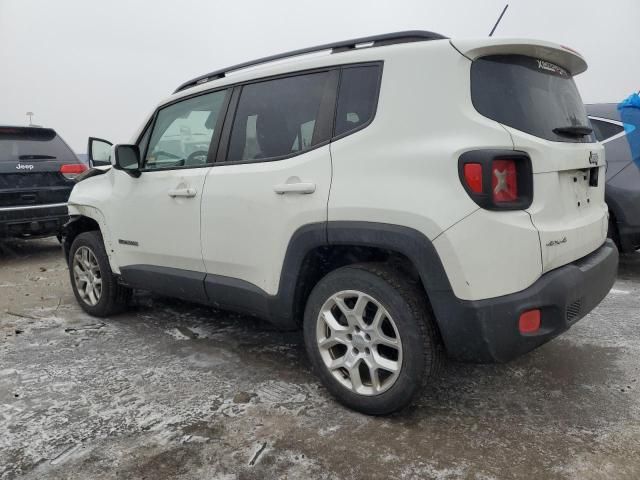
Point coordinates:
pixel 499 18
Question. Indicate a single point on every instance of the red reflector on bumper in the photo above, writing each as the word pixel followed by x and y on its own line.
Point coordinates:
pixel 529 321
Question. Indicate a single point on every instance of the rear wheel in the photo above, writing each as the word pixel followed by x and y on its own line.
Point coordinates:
pixel 371 338
pixel 95 287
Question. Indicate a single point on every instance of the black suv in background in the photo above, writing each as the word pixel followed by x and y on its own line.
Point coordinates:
pixel 619 132
pixel 37 172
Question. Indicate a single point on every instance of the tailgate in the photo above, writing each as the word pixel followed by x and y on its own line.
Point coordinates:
pixel 528 87
pixel 568 209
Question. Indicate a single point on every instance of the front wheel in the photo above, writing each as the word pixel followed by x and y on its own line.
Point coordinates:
pixel 95 287
pixel 370 336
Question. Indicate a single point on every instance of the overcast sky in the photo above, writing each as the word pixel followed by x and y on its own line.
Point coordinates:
pixel 97 67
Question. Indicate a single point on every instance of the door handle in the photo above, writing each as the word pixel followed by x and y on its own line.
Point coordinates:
pixel 301 187
pixel 182 192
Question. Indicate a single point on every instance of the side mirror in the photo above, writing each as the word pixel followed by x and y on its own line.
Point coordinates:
pixel 127 158
pixel 99 152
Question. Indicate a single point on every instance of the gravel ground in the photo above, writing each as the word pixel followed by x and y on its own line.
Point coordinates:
pixel 176 391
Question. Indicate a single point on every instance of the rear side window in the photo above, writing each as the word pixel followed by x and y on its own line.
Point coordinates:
pixel 32 144
pixel 357 98
pixel 603 130
pixel 278 118
pixel 529 94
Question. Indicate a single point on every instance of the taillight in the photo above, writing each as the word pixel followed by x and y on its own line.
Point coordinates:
pixel 473 176
pixel 497 179
pixel 72 170
pixel 504 181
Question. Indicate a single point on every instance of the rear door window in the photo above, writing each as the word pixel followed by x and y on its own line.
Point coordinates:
pixel 357 98
pixel 282 117
pixel 29 144
pixel 530 95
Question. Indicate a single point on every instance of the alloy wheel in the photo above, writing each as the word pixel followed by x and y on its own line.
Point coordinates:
pixel 87 275
pixel 359 342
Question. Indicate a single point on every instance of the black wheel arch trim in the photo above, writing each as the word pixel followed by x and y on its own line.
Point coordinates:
pixel 280 309
pixel 75 225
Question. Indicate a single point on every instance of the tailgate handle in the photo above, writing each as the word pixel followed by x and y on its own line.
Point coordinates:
pixel 182 192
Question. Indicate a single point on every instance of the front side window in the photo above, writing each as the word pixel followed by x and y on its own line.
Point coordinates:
pixel 277 118
pixel 357 98
pixel 183 131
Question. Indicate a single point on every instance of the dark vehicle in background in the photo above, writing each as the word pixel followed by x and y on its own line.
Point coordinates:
pixel 37 172
pixel 622 192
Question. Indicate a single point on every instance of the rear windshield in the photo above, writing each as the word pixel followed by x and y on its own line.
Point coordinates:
pixel 22 144
pixel 529 94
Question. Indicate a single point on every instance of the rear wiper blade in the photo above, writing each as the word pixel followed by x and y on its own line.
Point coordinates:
pixel 574 131
pixel 37 157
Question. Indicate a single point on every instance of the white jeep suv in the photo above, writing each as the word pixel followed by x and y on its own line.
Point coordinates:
pixel 399 197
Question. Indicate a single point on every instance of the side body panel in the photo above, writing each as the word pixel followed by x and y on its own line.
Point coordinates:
pixel 403 170
pixel 247 226
pixel 143 224
pixel 152 228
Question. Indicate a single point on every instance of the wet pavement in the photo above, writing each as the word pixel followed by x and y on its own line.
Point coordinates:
pixel 177 391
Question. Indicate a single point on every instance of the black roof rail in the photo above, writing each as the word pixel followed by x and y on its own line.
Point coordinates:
pixel 345 45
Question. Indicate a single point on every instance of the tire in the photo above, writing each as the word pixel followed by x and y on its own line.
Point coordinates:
pixel 406 342
pixel 110 297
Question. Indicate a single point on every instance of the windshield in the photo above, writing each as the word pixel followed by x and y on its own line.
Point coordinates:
pixel 32 144
pixel 531 95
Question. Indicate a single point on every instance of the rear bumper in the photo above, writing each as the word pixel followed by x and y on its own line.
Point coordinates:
pixel 487 330
pixel 32 220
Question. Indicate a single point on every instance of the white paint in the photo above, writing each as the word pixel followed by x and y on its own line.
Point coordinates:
pixel 399 170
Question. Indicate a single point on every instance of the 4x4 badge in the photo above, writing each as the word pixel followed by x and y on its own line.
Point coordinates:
pixel 555 243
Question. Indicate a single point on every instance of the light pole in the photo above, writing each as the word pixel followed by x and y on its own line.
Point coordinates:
pixel 30 115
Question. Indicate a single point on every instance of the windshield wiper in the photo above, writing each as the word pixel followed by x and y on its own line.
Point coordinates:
pixel 574 131
pixel 36 157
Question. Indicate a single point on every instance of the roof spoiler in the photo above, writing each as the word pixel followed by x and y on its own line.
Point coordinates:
pixel 551 52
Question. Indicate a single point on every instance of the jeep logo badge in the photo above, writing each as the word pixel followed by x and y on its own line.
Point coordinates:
pixel 21 166
pixel 593 158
